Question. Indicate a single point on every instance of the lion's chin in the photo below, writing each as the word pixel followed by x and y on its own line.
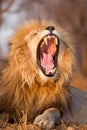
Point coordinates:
pixel 47 54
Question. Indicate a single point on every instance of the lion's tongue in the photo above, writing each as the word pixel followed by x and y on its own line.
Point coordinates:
pixel 47 61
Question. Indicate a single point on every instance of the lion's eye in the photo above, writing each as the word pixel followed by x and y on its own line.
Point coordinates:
pixel 35 32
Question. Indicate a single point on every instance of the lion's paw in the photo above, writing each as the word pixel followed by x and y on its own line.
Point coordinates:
pixel 44 121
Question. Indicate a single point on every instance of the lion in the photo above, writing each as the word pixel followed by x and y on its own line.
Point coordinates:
pixel 37 78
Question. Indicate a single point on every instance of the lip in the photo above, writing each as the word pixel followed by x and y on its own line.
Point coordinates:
pixel 45 71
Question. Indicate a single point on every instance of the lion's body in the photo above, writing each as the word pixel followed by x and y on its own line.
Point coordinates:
pixel 23 86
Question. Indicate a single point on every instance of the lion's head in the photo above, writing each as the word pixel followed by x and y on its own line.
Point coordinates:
pixel 45 49
pixel 46 46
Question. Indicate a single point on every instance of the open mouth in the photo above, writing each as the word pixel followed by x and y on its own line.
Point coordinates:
pixel 47 54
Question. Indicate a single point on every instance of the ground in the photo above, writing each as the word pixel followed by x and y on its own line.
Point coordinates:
pixel 4 125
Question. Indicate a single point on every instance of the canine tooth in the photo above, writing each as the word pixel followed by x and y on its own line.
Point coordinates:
pixel 53 70
pixel 46 71
pixel 45 39
pixel 42 43
pixel 56 41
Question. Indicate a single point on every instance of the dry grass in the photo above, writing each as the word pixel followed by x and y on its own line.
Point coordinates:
pixel 32 127
pixel 23 125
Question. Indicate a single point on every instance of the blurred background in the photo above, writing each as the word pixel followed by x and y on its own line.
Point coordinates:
pixel 70 14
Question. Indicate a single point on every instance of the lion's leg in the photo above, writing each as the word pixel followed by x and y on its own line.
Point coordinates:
pixel 78 104
pixel 49 118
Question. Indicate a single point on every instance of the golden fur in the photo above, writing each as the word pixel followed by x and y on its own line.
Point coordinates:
pixel 23 87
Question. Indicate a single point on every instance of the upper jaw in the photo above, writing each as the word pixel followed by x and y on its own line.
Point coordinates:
pixel 47 32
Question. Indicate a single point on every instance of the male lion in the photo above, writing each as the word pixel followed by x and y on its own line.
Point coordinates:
pixel 36 80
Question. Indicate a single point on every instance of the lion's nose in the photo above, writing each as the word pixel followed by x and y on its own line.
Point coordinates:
pixel 50 28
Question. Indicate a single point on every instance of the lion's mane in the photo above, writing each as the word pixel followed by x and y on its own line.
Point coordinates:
pixel 22 87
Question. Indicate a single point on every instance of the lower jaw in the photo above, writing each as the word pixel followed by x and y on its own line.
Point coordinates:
pixel 49 74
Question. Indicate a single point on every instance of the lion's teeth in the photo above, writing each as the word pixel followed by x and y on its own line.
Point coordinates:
pixel 48 37
pixel 52 71
pixel 47 71
pixel 42 43
pixel 45 39
pixel 56 41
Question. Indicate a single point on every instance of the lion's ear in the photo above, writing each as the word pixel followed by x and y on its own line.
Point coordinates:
pixel 16 42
